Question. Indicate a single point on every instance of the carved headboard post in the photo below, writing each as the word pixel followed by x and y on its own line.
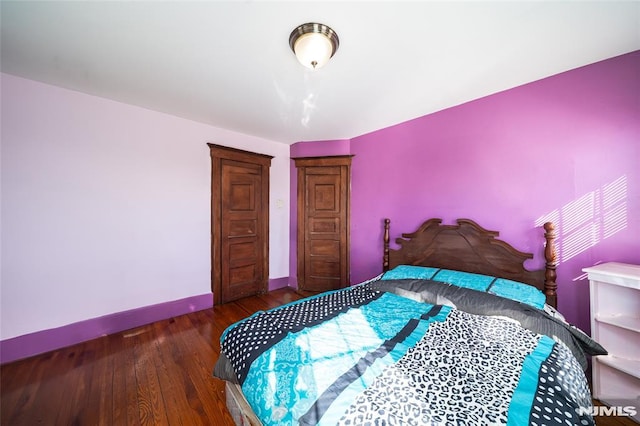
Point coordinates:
pixel 550 285
pixel 385 256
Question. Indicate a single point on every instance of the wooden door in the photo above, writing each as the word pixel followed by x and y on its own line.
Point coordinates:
pixel 242 273
pixel 323 223
pixel 239 224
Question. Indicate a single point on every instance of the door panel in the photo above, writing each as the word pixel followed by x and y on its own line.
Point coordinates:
pixel 326 248
pixel 323 223
pixel 241 266
pixel 323 249
pixel 239 223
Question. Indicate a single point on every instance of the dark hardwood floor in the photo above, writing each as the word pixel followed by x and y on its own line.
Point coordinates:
pixel 156 374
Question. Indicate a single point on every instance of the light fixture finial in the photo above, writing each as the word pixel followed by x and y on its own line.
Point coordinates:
pixel 313 44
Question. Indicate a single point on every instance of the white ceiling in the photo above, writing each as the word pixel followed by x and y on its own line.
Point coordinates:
pixel 228 63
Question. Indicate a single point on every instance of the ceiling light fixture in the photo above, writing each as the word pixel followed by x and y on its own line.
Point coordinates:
pixel 314 44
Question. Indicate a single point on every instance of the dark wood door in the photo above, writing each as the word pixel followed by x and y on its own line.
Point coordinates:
pixel 242 273
pixel 323 223
pixel 240 223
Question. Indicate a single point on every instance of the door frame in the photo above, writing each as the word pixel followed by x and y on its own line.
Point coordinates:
pixel 219 153
pixel 344 162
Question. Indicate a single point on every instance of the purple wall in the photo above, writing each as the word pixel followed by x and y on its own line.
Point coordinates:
pixel 59 337
pixel 565 149
pixel 48 340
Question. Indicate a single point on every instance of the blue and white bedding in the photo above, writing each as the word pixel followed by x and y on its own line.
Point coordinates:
pixel 385 353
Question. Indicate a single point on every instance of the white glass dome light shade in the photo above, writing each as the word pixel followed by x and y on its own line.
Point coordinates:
pixel 313 50
pixel 313 44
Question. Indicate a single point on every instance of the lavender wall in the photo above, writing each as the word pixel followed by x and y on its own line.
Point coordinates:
pixel 565 149
pixel 106 208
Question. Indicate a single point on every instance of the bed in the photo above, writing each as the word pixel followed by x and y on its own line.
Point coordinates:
pixel 454 331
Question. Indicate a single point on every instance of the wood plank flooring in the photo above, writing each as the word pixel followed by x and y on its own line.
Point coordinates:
pixel 158 374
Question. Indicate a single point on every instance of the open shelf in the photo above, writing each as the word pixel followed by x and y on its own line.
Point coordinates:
pixel 622 321
pixel 628 366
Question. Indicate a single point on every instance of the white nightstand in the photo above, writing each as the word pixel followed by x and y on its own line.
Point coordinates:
pixel 615 324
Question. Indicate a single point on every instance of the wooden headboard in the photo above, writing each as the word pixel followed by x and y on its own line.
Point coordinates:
pixel 470 248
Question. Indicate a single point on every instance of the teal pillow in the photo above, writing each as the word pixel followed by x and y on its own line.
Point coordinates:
pixel 409 272
pixel 464 279
pixel 501 287
pixel 518 291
